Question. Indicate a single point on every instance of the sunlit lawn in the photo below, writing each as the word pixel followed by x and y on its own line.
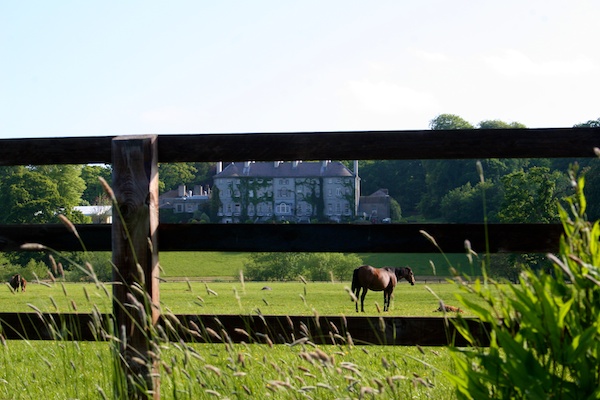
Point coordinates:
pixel 276 298
pixel 33 370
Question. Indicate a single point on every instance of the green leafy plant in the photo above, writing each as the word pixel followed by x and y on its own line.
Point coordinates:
pixel 545 330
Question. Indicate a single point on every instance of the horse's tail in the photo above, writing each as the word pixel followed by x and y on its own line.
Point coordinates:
pixel 355 280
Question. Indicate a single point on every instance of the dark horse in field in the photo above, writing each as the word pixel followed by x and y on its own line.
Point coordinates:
pixel 17 282
pixel 366 277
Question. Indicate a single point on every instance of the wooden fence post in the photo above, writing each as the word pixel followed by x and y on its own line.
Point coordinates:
pixel 135 256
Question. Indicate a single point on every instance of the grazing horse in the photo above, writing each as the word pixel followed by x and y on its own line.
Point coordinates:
pixel 16 282
pixel 383 279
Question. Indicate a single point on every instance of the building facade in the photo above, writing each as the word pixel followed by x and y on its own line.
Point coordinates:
pixel 376 207
pixel 287 191
pixel 183 200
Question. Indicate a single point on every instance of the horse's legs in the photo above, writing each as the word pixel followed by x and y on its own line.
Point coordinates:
pixel 362 299
pixel 386 300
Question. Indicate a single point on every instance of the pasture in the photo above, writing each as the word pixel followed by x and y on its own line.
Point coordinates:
pixel 227 265
pixel 85 370
pixel 197 297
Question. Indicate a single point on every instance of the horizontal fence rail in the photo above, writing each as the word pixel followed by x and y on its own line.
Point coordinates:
pixel 364 145
pixel 345 238
pixel 265 329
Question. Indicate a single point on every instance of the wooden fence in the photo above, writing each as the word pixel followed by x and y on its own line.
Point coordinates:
pixel 137 237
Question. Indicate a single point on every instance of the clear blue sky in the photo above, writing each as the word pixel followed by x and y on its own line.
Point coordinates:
pixel 74 68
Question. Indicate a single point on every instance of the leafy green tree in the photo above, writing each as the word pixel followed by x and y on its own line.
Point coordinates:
pixel 204 173
pixel 69 183
pixel 325 266
pixel 441 176
pixel 592 123
pixel 94 193
pixel 498 124
pixel 39 194
pixel 395 210
pixel 174 174
pixel 289 266
pixel 404 179
pixel 274 266
pixel 530 196
pixel 465 204
pixel 449 121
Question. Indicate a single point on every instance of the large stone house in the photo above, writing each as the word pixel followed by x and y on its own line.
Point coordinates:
pixel 286 191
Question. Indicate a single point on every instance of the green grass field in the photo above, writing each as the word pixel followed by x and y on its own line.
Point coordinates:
pixel 209 283
pixel 62 370
pixel 226 266
pixel 196 297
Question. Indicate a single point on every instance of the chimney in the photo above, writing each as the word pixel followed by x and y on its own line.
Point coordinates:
pixel 181 191
pixel 295 164
pixel 219 167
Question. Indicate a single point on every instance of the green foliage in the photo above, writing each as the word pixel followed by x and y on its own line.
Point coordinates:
pixel 465 203
pixel 39 194
pixel 174 174
pixel 94 193
pixel 497 124
pixel 289 266
pixel 102 265
pixel 449 121
pixel 529 196
pixel 395 210
pixel 548 342
pixel 592 189
pixel 396 176
pixel 29 271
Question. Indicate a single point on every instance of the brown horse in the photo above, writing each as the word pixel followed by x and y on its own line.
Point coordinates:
pixel 383 279
pixel 17 282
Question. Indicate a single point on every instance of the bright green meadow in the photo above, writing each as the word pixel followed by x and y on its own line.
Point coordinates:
pixel 65 370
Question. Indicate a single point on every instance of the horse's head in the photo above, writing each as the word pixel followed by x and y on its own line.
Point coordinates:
pixel 407 273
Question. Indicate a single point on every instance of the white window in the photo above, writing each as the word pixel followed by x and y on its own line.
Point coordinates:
pixel 283 208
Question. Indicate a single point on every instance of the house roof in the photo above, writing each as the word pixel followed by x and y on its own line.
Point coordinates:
pixel 286 170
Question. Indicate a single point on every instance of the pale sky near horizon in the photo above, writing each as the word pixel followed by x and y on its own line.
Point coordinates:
pixel 81 68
